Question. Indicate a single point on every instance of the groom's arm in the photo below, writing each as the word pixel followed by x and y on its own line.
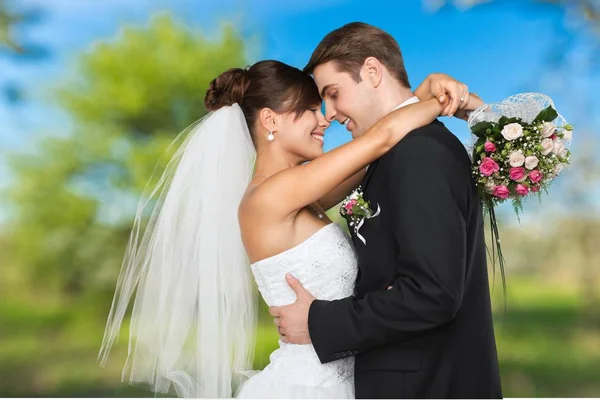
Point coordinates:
pixel 429 192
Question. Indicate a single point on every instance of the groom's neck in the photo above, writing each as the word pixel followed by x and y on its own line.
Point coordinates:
pixel 393 96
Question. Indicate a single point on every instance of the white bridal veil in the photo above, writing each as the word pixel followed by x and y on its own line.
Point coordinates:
pixel 194 315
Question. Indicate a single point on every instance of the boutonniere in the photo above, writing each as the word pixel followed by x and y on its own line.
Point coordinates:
pixel 355 209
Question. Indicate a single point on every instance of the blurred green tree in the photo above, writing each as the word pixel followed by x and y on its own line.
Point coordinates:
pixel 73 198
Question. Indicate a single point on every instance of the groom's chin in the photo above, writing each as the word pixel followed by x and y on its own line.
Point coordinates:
pixel 355 131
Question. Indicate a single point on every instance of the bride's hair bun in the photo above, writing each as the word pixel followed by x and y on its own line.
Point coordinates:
pixel 227 89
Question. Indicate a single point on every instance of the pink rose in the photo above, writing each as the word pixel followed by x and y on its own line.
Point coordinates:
pixel 535 189
pixel 488 166
pixel 349 206
pixel 522 189
pixel 489 147
pixel 501 192
pixel 517 174
pixel 535 176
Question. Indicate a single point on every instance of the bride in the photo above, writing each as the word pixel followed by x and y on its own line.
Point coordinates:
pixel 238 200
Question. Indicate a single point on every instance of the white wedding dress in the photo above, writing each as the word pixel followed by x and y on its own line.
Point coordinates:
pixel 326 265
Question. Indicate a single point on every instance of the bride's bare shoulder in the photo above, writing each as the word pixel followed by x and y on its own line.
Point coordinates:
pixel 253 206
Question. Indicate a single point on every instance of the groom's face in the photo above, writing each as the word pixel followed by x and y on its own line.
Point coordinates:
pixel 346 101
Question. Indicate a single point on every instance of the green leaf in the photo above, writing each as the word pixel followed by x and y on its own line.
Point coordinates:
pixel 503 121
pixel 479 129
pixel 546 115
pixel 517 207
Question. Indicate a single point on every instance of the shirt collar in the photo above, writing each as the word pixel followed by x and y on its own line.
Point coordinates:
pixel 411 100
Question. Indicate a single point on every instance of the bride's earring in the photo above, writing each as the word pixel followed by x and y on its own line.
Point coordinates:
pixel 271 137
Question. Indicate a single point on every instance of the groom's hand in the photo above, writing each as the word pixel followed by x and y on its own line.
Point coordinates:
pixel 292 320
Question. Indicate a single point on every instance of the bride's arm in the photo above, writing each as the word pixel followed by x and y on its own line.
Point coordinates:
pixel 294 188
pixel 342 191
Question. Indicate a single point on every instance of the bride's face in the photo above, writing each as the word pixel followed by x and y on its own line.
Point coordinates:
pixel 303 136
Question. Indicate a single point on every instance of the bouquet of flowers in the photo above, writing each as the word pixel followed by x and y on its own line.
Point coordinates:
pixel 520 148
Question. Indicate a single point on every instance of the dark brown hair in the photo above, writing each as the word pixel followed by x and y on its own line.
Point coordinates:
pixel 270 84
pixel 349 47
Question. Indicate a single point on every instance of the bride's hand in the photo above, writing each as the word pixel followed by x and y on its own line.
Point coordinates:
pixel 474 103
pixel 444 87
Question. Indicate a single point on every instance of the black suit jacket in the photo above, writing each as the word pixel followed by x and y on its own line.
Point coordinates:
pixel 431 335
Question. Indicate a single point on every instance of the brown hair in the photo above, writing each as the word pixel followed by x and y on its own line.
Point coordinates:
pixel 270 84
pixel 349 47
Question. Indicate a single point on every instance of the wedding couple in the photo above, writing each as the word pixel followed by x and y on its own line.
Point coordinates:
pixel 399 310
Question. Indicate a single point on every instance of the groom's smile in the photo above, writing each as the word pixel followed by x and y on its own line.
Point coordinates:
pixel 346 122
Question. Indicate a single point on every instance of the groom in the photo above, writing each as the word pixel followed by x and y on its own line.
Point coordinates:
pixel 431 333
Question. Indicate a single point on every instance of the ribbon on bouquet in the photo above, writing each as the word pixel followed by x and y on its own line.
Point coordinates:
pixel 362 221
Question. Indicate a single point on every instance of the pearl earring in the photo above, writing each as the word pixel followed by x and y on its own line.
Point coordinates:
pixel 271 137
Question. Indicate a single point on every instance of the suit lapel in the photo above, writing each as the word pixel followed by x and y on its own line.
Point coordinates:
pixel 368 175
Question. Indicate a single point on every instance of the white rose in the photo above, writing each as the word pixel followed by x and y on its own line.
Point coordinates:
pixel 558 146
pixel 547 146
pixel 490 186
pixel 558 168
pixel 531 162
pixel 512 131
pixel 548 129
pixel 516 159
pixel 568 135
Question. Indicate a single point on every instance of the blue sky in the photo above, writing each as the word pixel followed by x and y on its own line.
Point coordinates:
pixel 498 49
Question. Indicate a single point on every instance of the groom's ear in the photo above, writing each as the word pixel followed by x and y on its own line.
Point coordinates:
pixel 372 71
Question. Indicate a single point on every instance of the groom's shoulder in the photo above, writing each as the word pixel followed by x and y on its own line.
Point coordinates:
pixel 431 138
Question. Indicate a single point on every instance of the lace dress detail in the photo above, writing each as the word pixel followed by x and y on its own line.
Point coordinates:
pixel 326 265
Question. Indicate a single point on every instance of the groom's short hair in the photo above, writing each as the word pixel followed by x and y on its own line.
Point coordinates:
pixel 350 45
